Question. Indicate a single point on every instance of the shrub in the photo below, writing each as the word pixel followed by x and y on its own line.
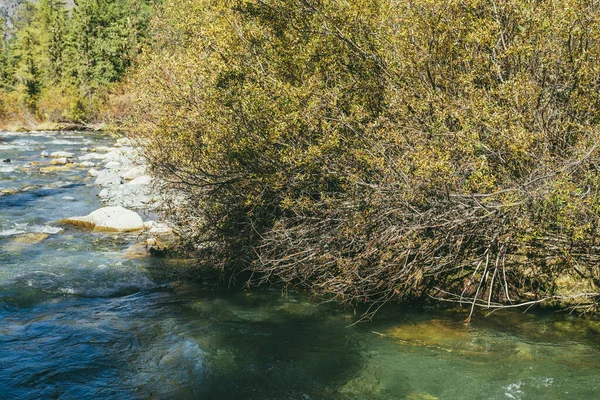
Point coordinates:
pixel 380 150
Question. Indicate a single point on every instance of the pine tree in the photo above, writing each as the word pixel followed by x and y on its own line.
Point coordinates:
pixel 51 22
pixel 3 56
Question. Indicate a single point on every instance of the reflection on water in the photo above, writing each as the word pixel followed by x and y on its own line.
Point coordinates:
pixel 85 316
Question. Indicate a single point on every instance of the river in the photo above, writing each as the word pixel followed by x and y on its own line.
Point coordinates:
pixel 84 317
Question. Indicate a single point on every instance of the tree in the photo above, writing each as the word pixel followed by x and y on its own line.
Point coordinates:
pixel 52 21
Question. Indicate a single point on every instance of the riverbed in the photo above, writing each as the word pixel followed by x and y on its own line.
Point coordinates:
pixel 87 315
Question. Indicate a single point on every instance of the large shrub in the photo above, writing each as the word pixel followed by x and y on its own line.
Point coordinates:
pixel 383 149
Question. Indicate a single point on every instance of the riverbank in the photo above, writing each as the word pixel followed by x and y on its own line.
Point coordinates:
pixel 23 126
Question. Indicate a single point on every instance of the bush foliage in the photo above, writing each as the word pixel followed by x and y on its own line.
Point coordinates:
pixel 384 149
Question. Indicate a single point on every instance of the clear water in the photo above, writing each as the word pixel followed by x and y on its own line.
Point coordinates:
pixel 85 317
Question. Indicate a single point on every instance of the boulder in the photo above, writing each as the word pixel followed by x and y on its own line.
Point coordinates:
pixel 59 161
pixel 142 180
pixel 130 196
pixel 93 173
pixel 110 219
pixel 113 165
pixel 44 154
pixel 134 173
pixel 61 154
pixel 87 164
pixel 92 156
pixel 107 177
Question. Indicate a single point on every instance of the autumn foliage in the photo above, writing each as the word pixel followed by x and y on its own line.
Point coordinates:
pixel 384 149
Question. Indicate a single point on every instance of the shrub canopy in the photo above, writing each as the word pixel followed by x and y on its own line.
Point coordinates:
pixel 382 149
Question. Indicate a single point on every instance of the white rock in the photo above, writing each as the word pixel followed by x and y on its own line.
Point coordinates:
pixel 60 161
pixel 157 228
pixel 44 154
pixel 92 156
pixel 134 173
pixel 116 156
pixel 149 224
pixel 142 180
pixel 104 193
pixel 93 173
pixel 87 164
pixel 107 177
pixel 68 198
pixel 62 154
pixel 113 165
pixel 109 219
pixel 104 149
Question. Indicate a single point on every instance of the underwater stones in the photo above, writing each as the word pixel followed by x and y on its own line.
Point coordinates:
pixel 432 333
pixel 420 396
pixel 62 154
pixel 56 168
pixel 23 241
pixel 115 219
pixel 31 238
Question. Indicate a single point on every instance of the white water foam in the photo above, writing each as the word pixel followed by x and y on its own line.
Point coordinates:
pixel 86 282
pixel 6 168
pixel 19 229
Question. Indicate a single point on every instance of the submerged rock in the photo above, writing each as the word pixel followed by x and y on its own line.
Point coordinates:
pixel 433 333
pixel 23 241
pixel 116 219
pixel 56 168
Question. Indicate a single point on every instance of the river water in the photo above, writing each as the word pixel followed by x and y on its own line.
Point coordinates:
pixel 85 317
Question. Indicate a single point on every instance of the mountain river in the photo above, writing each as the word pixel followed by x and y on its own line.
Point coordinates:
pixel 82 316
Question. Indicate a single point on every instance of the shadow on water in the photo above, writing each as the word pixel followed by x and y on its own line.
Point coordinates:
pixel 255 345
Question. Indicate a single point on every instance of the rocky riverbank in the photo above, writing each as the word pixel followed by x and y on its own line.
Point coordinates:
pixel 126 191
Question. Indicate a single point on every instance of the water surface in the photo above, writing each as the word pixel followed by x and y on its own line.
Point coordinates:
pixel 85 316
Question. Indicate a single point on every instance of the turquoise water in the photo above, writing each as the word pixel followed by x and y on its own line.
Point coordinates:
pixel 87 316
